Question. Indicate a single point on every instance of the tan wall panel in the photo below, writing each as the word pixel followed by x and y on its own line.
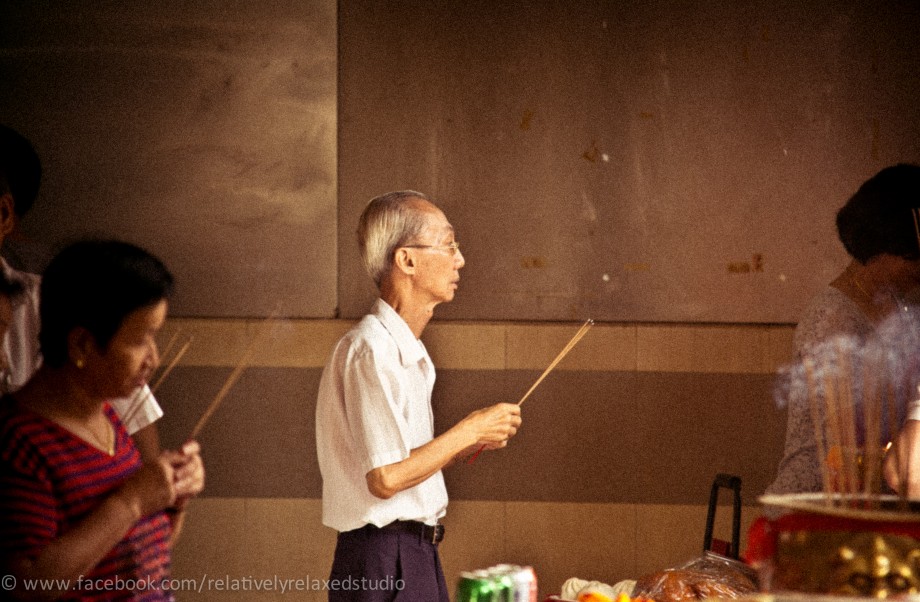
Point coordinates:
pixel 604 347
pixel 260 441
pixel 594 541
pixel 672 535
pixel 475 537
pixel 284 541
pixel 496 346
pixel 618 436
pixel 780 347
pixel 695 425
pixel 466 346
pixel 689 348
pixel 278 343
pixel 244 549
pixel 213 542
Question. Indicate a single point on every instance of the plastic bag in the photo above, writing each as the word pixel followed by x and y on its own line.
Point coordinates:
pixel 709 576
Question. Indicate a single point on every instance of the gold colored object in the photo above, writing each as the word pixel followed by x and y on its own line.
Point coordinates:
pixel 876 565
pixel 844 545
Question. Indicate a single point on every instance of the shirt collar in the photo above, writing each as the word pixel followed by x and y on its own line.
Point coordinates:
pixel 411 350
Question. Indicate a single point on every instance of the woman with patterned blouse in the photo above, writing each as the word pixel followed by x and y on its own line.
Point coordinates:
pixel 880 228
pixel 81 518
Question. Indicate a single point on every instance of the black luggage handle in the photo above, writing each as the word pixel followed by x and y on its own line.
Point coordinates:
pixel 729 482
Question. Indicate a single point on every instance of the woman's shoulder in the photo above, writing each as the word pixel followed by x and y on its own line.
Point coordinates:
pixel 830 313
pixel 21 434
pixel 14 418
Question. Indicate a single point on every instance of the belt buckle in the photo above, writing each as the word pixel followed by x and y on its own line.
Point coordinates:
pixel 437 533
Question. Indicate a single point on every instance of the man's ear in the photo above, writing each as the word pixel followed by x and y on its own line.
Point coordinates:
pixel 8 216
pixel 404 261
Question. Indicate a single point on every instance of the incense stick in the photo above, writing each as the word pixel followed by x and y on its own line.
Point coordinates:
pixel 833 425
pixel 172 364
pixel 859 386
pixel 231 380
pixel 895 450
pixel 872 404
pixel 167 349
pixel 574 341
pixel 846 415
pixel 137 400
pixel 813 396
pixel 565 350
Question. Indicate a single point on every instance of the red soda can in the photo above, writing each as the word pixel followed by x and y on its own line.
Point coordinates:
pixel 525 584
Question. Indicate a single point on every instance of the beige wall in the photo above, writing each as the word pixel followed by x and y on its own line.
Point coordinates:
pixel 502 513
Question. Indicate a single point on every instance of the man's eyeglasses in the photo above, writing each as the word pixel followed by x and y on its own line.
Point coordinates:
pixel 452 248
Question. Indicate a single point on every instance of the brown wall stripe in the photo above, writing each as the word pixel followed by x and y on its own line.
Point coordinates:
pixel 588 436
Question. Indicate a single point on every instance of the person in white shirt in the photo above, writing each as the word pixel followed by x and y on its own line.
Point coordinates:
pixel 20 177
pixel 380 462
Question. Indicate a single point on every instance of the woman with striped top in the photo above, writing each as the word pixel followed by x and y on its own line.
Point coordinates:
pixel 81 518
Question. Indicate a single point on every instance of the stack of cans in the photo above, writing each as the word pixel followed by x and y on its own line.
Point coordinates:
pixel 499 583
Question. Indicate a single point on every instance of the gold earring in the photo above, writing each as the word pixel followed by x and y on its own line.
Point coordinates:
pixel 79 363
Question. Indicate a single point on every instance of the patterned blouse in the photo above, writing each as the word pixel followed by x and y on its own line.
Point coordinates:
pixel 830 313
pixel 50 479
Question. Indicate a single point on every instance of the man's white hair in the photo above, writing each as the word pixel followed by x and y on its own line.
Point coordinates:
pixel 388 222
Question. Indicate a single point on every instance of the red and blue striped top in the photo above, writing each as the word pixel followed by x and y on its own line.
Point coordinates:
pixel 50 479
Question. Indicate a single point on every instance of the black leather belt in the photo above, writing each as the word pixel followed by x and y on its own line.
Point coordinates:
pixel 431 534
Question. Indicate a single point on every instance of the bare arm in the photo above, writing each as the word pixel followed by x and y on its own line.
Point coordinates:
pixel 147 441
pixel 491 426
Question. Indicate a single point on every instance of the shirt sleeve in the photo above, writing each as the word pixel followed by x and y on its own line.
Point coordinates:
pixel 913 409
pixel 139 410
pixel 21 340
pixel 373 411
pixel 829 315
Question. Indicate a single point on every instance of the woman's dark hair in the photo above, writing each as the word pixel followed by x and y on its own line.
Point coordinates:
pixel 95 284
pixel 880 217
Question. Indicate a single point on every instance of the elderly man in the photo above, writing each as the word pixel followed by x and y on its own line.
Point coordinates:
pixel 381 463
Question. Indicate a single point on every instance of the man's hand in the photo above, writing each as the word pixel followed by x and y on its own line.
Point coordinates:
pixel 495 425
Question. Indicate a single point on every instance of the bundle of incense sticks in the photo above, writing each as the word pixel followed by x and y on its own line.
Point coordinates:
pixel 169 351
pixel 236 372
pixel 565 350
pixel 852 390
